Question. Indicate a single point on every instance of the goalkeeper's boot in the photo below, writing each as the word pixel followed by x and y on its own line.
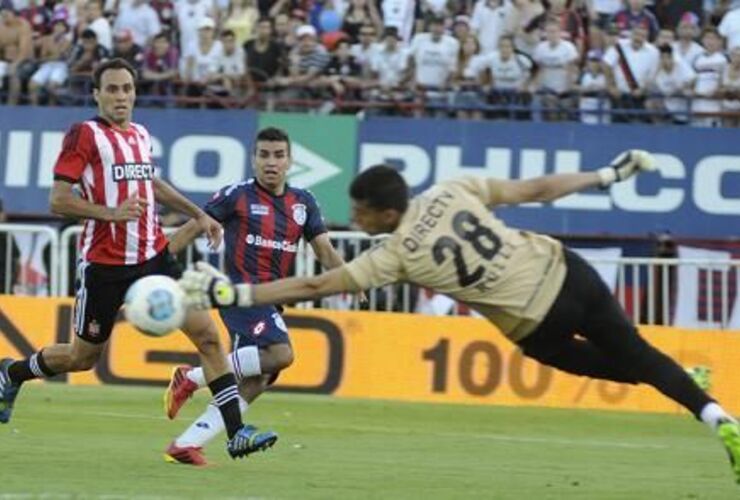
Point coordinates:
pixel 701 375
pixel 8 391
pixel 181 389
pixel 729 432
pixel 248 439
pixel 191 455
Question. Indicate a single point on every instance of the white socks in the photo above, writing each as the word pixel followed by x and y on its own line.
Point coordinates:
pixel 713 413
pixel 244 362
pixel 206 427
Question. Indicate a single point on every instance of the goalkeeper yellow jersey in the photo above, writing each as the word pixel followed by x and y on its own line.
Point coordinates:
pixel 450 241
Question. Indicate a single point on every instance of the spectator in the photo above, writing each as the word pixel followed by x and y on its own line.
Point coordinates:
pixel 363 51
pixel 95 21
pixel 265 56
pixel 434 59
pixel 401 15
pixel 461 29
pixel 526 23
pixel 466 80
pixel 360 14
pixel 715 11
pixel 605 10
pixel 670 12
pixel 229 78
pixel 190 13
pixel 709 67
pixel 86 55
pixel 665 37
pixel 570 23
pixel 201 58
pixel 730 89
pixel 307 61
pixel 54 51
pixel 389 66
pixel 510 74
pixel 165 10
pixel 138 17
pixel 592 86
pixel 730 28
pixel 344 73
pixel 674 81
pixel 16 48
pixel 38 14
pixel 284 32
pixel 630 66
pixel 489 22
pixel 160 68
pixel 557 60
pixel 242 19
pixel 685 47
pixel 126 48
pixel 637 15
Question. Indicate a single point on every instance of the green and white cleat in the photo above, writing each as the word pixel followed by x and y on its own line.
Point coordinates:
pixel 701 375
pixel 729 432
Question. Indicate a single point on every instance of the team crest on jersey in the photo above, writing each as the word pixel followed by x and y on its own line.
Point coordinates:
pixel 299 213
pixel 259 209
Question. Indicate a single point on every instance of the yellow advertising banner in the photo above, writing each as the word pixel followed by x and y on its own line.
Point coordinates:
pixel 386 355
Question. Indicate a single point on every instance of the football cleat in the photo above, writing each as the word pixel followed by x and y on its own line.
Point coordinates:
pixel 701 375
pixel 729 432
pixel 181 389
pixel 191 455
pixel 8 391
pixel 248 440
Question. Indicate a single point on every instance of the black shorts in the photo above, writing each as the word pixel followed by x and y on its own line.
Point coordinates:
pixel 101 289
pixel 586 307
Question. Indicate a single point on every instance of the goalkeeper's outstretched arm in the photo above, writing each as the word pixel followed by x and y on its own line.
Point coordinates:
pixel 206 287
pixel 551 187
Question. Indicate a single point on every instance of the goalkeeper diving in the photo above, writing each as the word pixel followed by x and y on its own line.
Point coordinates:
pixel 540 294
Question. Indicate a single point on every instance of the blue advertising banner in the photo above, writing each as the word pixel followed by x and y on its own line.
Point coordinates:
pixel 199 151
pixel 696 191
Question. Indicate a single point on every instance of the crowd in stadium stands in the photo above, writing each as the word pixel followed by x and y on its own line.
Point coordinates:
pixel 667 61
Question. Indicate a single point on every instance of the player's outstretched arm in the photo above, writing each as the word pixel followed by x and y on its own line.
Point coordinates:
pixel 171 198
pixel 205 287
pixel 552 187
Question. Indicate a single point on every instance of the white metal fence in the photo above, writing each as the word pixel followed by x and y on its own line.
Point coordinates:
pixel 684 292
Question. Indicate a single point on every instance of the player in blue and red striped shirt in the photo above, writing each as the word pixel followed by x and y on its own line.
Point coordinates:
pixel 264 219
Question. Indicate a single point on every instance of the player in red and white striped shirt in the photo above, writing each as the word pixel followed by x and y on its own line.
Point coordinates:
pixel 109 157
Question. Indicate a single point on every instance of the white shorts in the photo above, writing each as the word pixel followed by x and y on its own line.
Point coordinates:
pixel 51 72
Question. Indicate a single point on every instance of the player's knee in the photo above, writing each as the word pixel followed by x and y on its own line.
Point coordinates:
pixel 282 357
pixel 82 362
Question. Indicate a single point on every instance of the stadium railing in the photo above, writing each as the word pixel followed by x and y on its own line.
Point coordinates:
pixel 24 251
pixel 492 103
pixel 651 290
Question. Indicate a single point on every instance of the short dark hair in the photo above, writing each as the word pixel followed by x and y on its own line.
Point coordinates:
pixel 272 134
pixel 381 187
pixel 115 63
pixel 228 33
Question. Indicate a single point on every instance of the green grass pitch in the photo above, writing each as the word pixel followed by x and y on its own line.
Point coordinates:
pixel 107 442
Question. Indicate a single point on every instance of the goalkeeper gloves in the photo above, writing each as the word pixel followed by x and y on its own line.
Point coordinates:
pixel 206 287
pixel 625 166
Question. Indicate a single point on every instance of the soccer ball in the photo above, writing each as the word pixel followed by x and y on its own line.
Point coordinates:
pixel 155 305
